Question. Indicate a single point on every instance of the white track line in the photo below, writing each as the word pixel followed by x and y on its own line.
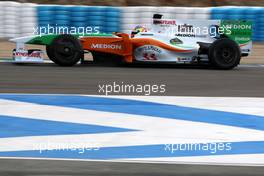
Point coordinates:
pixel 153 130
pixel 243 105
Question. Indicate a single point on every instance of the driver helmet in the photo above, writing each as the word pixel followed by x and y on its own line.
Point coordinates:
pixel 138 29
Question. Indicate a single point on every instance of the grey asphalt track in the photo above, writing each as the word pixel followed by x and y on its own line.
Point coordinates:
pixel 87 168
pixel 188 81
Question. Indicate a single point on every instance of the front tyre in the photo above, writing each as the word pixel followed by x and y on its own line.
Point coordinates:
pixel 49 52
pixel 224 54
pixel 65 50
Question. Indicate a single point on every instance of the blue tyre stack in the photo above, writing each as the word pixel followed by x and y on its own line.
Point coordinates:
pixel 95 18
pixel 46 16
pixel 234 13
pixel 251 14
pixel 62 16
pixel 79 16
pixel 260 29
pixel 112 20
pixel 218 13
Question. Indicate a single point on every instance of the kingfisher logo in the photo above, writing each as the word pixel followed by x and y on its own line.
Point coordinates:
pixel 107 46
pixel 35 54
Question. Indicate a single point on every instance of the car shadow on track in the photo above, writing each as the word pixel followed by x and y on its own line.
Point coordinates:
pixel 124 65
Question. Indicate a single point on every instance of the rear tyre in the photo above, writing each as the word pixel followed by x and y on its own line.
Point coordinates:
pixel 65 50
pixel 224 54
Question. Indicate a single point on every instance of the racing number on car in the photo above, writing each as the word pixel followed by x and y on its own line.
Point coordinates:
pixel 148 56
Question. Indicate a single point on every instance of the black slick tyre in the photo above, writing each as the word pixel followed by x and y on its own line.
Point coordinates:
pixel 65 50
pixel 224 54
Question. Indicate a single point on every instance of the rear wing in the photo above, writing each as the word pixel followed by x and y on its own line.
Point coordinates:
pixel 241 32
pixel 207 30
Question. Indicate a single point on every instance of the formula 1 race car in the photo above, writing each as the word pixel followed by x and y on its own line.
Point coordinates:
pixel 219 43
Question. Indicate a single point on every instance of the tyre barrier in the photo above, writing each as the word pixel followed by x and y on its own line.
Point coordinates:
pixel 28 14
pixel 10 19
pixel 1 22
pixel 106 19
pixel 46 20
pixel 21 19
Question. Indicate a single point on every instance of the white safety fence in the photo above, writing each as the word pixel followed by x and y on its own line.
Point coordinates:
pixel 17 19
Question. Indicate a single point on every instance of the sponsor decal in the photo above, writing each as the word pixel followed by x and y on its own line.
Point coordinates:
pixel 148 48
pixel 184 59
pixel 242 38
pixel 165 22
pixel 106 46
pixel 148 53
pixel 239 30
pixel 175 41
pixel 35 54
pixel 243 27
pixel 149 56
pixel 237 24
pixel 185 35
pixel 245 50
pixel 185 28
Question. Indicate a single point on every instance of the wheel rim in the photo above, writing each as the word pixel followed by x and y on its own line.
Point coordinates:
pixel 226 54
pixel 66 49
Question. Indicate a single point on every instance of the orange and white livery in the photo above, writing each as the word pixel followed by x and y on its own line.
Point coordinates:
pixel 214 42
